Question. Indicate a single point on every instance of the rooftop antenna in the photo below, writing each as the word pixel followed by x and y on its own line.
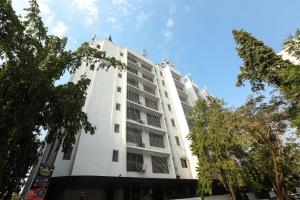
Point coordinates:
pixel 94 36
pixel 144 53
pixel 109 38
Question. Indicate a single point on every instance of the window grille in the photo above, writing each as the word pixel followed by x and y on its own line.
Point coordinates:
pixel 179 88
pixel 159 164
pixel 147 78
pixel 183 99
pixel 149 89
pixel 131 59
pixel 134 162
pixel 153 120
pixel 133 114
pixel 133 82
pixel 133 96
pixel 146 68
pixel 134 135
pixel 151 104
pixel 132 70
pixel 156 140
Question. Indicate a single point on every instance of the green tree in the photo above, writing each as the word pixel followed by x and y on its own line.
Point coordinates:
pixel 31 61
pixel 262 66
pixel 273 159
pixel 215 140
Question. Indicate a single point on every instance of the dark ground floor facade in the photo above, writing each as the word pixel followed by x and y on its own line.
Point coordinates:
pixel 119 188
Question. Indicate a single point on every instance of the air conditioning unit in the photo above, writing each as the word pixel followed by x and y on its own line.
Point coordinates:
pixel 143 168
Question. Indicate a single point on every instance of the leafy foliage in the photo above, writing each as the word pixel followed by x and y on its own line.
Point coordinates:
pixel 30 63
pixel 262 66
pixel 274 157
pixel 215 139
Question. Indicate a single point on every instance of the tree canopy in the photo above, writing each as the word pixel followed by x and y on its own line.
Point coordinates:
pixel 31 61
pixel 262 66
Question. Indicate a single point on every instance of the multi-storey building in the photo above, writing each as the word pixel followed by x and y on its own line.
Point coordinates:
pixel 140 149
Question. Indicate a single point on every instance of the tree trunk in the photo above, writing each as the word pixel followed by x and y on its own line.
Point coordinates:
pixel 232 192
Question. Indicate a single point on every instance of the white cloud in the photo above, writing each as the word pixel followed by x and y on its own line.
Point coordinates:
pixel 141 18
pixel 172 10
pixel 112 19
pixel 60 29
pixel 115 24
pixel 89 7
pixel 167 35
pixel 170 23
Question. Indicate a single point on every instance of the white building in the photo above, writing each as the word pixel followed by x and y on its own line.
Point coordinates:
pixel 140 149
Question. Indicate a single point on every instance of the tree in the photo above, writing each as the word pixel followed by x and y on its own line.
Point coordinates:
pixel 215 140
pixel 273 159
pixel 262 67
pixel 30 63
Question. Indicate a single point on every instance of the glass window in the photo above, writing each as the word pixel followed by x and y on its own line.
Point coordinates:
pixel 159 164
pixel 117 128
pixel 115 157
pixel 183 163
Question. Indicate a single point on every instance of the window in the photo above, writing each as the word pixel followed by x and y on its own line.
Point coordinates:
pixel 118 106
pixel 183 163
pixel 156 140
pixel 151 104
pixel 115 156
pixel 134 162
pixel 119 89
pixel 146 67
pixel 149 89
pixel 153 120
pixel 161 74
pixel 133 135
pixel 177 140
pixel 173 122
pixel 121 54
pixel 98 46
pixel 163 83
pixel 133 114
pixel 147 78
pixel 120 75
pixel 131 60
pixel 166 94
pixel 169 107
pixel 117 128
pixel 132 81
pixel 132 70
pixel 132 96
pixel 159 164
pixel 68 153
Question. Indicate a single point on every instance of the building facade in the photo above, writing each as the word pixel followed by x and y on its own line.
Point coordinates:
pixel 140 149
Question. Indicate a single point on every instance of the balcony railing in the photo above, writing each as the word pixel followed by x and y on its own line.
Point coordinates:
pixel 151 104
pixel 149 89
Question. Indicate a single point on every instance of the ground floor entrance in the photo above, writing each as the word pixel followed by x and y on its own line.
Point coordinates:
pixel 119 188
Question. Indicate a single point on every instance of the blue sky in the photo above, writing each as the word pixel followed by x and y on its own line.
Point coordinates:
pixel 193 34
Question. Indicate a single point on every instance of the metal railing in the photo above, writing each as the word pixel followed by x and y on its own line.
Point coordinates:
pixel 156 140
pixel 153 120
pixel 159 164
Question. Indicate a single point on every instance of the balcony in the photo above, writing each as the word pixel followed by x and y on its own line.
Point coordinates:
pixel 139 67
pixel 138 105
pixel 144 93
pixel 131 74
